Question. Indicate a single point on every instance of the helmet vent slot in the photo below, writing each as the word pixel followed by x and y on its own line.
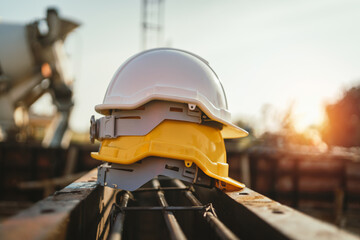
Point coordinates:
pixel 130 117
pixel 175 109
pixel 173 168
pixel 140 108
pixel 125 169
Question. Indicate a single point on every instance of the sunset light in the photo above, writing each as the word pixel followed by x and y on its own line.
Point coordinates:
pixel 168 119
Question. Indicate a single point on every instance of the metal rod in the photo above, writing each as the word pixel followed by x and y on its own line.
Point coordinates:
pixel 221 230
pixel 107 219
pixel 171 208
pixel 171 222
pixel 161 188
pixel 116 233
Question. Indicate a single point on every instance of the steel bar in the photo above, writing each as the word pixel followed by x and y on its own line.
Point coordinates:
pixel 221 230
pixel 170 208
pixel 161 188
pixel 171 222
pixel 116 233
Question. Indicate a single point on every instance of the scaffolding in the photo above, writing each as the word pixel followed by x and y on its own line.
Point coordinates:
pixel 152 24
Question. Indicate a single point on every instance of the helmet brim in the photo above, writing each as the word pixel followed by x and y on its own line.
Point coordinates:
pixel 166 93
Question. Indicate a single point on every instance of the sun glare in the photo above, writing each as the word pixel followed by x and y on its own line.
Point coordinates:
pixel 311 116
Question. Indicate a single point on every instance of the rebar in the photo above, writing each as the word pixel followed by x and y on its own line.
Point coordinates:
pixel 221 230
pixel 171 222
pixel 116 233
pixel 161 188
pixel 169 208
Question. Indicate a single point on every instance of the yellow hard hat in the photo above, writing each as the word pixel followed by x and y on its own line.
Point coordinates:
pixel 187 141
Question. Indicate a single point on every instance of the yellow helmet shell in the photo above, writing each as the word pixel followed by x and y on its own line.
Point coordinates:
pixel 190 142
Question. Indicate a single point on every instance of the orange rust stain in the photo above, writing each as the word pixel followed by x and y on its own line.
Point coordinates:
pixel 34 227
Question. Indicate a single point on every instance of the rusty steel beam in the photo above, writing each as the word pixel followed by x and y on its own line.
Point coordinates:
pixel 76 212
pixel 259 217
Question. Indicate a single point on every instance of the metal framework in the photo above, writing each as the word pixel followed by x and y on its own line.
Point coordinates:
pixel 174 228
pixel 163 209
pixel 152 25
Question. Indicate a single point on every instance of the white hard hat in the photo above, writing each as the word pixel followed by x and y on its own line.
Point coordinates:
pixel 170 75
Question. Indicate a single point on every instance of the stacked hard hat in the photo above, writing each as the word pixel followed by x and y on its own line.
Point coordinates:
pixel 165 114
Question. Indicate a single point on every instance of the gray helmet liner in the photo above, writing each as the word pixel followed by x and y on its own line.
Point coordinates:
pixel 131 177
pixel 141 121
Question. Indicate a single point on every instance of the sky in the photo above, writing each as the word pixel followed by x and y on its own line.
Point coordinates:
pixel 271 53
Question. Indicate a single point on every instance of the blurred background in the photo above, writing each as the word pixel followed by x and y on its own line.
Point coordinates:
pixel 290 69
pixel 270 55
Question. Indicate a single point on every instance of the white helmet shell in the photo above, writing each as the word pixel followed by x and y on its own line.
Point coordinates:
pixel 170 75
